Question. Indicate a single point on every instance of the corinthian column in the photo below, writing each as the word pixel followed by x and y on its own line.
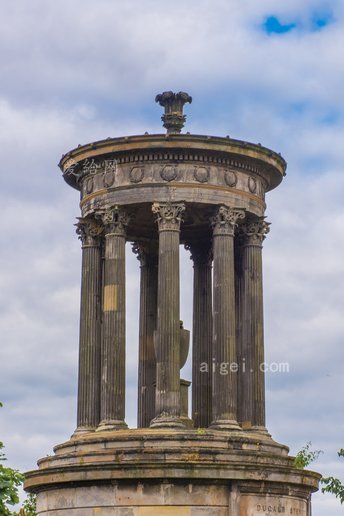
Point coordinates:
pixel 147 254
pixel 201 256
pixel 252 381
pixel 224 345
pixel 112 394
pixel 168 323
pixel 89 232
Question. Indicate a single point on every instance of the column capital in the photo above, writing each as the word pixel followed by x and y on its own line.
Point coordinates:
pixel 200 252
pixel 169 215
pixel 254 231
pixel 146 252
pixel 89 231
pixel 225 220
pixel 115 220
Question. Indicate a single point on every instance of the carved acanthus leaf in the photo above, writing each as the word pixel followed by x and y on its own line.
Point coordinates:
pixel 255 231
pixel 225 220
pixel 169 214
pixel 201 253
pixel 115 220
pixel 146 252
pixel 89 231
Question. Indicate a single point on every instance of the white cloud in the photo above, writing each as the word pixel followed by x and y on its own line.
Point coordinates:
pixel 78 72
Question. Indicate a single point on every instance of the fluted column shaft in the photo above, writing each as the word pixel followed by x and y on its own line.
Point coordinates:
pixel 202 335
pixel 90 325
pixel 168 321
pixel 224 336
pixel 241 356
pixel 148 256
pixel 112 406
pixel 252 381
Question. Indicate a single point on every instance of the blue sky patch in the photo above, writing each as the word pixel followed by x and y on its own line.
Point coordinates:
pixel 321 20
pixel 272 25
pixel 316 22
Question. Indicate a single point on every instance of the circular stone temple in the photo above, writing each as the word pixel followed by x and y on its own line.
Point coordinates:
pixel 159 192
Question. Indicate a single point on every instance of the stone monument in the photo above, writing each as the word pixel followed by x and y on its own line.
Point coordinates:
pixel 159 192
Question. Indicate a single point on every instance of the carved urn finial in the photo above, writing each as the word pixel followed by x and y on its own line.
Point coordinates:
pixel 173 119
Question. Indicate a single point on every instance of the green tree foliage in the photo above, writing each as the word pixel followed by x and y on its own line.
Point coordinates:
pixel 334 485
pixel 10 480
pixel 306 456
pixel 331 485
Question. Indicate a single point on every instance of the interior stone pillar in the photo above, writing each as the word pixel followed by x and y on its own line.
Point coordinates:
pixel 201 256
pixel 168 323
pixel 224 345
pixel 147 254
pixel 241 358
pixel 112 394
pixel 252 381
pixel 89 232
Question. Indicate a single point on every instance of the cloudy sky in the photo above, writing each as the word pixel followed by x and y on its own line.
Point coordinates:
pixel 268 71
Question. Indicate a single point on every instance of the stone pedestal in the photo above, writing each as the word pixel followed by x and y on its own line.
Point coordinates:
pixel 153 472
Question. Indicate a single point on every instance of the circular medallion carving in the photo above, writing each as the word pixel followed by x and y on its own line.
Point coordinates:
pixel 201 174
pixel 136 174
pixel 89 185
pixel 231 178
pixel 168 173
pixel 252 184
pixel 109 178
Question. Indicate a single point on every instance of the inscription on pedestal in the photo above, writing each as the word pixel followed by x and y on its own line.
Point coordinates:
pixel 268 506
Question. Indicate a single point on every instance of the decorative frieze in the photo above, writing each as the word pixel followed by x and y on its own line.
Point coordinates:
pixel 201 174
pixel 136 174
pixel 169 172
pixel 252 184
pixel 231 178
pixel 108 171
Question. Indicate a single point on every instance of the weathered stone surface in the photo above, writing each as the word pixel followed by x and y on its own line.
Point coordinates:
pixel 224 402
pixel 202 335
pixel 112 388
pixel 169 217
pixel 148 256
pixel 161 191
pixel 250 338
pixel 89 231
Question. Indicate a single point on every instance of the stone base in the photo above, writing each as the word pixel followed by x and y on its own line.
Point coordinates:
pixel 151 472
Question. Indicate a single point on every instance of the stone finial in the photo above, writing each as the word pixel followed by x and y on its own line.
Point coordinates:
pixel 173 119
